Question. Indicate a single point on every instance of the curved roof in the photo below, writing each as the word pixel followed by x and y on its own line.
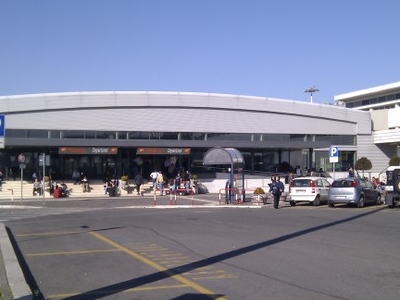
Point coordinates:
pixel 186 112
pixel 223 156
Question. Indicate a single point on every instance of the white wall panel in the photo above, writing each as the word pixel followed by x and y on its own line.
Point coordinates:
pixel 289 111
pixel 175 119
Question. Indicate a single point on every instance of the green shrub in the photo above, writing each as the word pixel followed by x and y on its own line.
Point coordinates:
pixel 258 191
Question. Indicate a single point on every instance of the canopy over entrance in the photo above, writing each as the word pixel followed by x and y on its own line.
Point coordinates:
pixel 223 156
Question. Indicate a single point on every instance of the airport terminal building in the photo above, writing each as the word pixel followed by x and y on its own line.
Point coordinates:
pixel 121 132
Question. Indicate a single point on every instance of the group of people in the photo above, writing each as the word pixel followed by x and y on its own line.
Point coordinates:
pixel 182 181
pixel 111 187
pixel 158 181
pixel 57 190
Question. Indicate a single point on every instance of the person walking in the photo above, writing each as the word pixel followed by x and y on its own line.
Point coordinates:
pixel 138 182
pixel 276 188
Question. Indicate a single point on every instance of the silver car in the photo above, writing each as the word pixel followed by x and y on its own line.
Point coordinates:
pixel 310 189
pixel 353 190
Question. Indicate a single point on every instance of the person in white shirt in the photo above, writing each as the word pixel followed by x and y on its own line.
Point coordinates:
pixel 153 176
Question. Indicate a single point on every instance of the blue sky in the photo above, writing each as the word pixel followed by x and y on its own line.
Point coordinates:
pixel 250 47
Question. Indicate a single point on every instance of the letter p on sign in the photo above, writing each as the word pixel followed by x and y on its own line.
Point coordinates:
pixel 333 154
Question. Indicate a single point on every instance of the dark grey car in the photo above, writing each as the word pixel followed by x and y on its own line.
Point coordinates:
pixel 353 190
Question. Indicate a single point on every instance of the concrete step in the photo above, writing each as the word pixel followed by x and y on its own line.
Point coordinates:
pixel 11 190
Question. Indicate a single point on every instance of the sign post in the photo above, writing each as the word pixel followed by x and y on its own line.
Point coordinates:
pixel 42 161
pixel 21 159
pixel 333 157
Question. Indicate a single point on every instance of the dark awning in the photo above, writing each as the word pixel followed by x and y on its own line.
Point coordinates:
pixel 223 156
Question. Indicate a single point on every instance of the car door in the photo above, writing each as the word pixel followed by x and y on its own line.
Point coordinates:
pixel 369 192
pixel 325 185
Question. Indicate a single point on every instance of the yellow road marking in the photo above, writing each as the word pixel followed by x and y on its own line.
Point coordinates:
pixel 157 266
pixel 72 252
pixel 136 289
pixel 49 233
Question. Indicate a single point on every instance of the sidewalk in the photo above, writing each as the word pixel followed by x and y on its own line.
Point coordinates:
pixel 12 280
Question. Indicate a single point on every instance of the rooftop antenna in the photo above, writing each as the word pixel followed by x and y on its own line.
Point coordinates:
pixel 311 90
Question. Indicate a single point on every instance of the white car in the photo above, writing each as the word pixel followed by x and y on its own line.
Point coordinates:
pixel 309 189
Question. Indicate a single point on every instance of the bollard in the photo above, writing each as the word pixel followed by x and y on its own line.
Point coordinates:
pixel 155 198
pixel 12 194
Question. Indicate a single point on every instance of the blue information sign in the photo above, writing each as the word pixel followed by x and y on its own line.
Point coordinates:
pixel 2 131
pixel 2 126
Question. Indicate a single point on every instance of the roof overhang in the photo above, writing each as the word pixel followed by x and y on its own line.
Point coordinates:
pixel 223 156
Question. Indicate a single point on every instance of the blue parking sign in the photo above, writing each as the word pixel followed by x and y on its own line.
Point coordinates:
pixel 333 154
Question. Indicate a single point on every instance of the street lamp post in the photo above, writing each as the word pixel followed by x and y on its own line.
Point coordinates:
pixel 311 90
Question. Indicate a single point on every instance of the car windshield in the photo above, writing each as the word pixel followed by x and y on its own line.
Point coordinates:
pixel 342 183
pixel 301 182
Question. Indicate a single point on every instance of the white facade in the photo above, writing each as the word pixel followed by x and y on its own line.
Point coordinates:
pixel 312 124
pixel 189 112
pixel 383 104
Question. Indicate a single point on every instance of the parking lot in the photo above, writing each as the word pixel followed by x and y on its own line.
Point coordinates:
pixel 122 251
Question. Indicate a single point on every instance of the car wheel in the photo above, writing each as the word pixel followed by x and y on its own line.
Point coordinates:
pixel 292 203
pixel 360 202
pixel 330 204
pixel 317 201
pixel 378 200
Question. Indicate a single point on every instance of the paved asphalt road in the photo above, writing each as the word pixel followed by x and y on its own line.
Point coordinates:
pixel 114 249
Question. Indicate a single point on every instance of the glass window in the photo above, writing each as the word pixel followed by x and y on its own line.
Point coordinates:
pixel 122 135
pixel 37 134
pixel 105 135
pixel 170 136
pixel 73 134
pixel 390 97
pixel 373 100
pixel 90 134
pixel 55 134
pixel 365 102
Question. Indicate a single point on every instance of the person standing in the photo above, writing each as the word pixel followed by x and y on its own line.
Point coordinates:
pixel 153 176
pixel 160 183
pixel 276 188
pixel 85 185
pixel 138 182
pixel 37 187
pixel 34 177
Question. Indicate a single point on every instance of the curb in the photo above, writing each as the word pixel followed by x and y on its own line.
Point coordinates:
pixel 15 277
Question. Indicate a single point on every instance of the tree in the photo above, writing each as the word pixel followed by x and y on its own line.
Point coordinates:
pixel 394 161
pixel 363 164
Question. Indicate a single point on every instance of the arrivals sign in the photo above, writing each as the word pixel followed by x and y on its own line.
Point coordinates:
pixel 163 151
pixel 88 150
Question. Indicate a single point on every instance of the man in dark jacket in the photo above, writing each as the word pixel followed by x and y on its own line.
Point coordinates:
pixel 276 188
pixel 138 183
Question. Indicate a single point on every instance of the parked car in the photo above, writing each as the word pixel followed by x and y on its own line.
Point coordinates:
pixel 310 189
pixel 353 190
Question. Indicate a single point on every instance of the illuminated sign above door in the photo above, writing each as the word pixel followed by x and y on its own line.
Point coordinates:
pixel 164 151
pixel 88 150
